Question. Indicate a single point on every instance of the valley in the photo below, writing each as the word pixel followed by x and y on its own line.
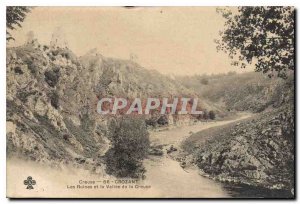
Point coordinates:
pixel 243 134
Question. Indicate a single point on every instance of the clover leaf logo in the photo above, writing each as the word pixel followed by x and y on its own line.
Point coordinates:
pixel 29 182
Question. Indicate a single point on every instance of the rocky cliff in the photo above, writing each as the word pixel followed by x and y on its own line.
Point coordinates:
pixel 52 96
pixel 255 152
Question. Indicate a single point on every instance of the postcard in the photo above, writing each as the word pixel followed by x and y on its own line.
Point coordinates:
pixel 150 102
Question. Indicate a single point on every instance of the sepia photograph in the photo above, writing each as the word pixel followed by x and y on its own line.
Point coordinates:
pixel 150 102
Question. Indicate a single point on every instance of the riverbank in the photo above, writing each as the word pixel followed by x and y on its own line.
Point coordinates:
pixel 253 156
pixel 166 171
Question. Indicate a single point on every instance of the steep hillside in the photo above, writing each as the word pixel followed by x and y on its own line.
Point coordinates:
pixel 48 107
pixel 52 97
pixel 242 92
pixel 257 152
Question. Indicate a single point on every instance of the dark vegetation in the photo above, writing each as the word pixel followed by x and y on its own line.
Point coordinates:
pixel 52 77
pixel 260 35
pixel 258 151
pixel 15 15
pixel 54 99
pixel 18 70
pixel 211 115
pixel 130 140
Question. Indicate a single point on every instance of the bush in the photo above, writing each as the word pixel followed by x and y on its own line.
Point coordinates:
pixel 163 120
pixel 33 68
pixel 55 52
pixel 18 70
pixel 45 47
pixel 54 99
pixel 52 77
pixel 211 115
pixel 204 81
pixel 204 116
pixel 130 140
pixel 65 55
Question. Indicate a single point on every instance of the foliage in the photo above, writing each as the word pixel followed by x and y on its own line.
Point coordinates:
pixel 211 115
pixel 52 77
pixel 18 70
pixel 15 15
pixel 163 120
pixel 54 99
pixel 130 140
pixel 33 68
pixel 205 115
pixel 204 81
pixel 260 35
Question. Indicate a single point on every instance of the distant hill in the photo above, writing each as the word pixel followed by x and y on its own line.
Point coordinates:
pixel 242 92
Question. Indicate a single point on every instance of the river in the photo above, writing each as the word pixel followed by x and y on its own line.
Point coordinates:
pixel 163 174
pixel 166 176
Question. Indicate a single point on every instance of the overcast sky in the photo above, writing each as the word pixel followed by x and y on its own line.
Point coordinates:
pixel 172 40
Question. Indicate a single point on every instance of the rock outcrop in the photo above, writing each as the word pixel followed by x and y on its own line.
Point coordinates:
pixel 257 152
pixel 52 97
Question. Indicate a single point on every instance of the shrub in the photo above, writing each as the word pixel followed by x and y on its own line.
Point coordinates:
pixel 151 122
pixel 163 120
pixel 45 47
pixel 65 55
pixel 55 52
pixel 23 95
pixel 211 115
pixel 130 140
pixel 51 77
pixel 205 115
pixel 18 70
pixel 204 81
pixel 52 58
pixel 33 68
pixel 54 99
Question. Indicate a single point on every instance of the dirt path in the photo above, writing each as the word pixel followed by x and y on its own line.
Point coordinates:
pixel 166 175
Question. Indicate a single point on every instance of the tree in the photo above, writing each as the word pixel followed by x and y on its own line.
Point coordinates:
pixel 15 15
pixel 130 140
pixel 260 35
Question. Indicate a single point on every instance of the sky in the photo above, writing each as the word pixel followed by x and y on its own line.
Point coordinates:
pixel 171 40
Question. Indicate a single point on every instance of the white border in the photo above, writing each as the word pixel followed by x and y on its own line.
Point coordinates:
pixel 151 3
pixel 111 3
